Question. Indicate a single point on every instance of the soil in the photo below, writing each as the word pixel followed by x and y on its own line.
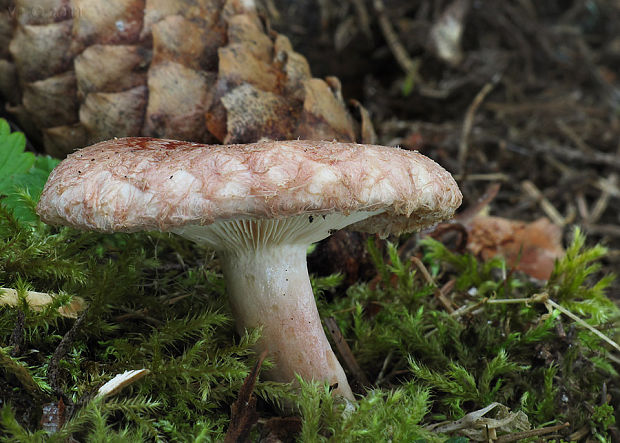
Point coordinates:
pixel 525 94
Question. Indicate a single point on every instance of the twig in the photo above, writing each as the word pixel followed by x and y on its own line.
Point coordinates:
pixel 362 18
pixel 17 336
pixel 544 298
pixel 468 123
pixel 595 331
pixel 345 351
pixel 610 185
pixel 569 154
pixel 582 206
pixel 607 229
pixel 400 53
pixel 118 382
pixel 495 176
pixel 438 292
pixel 573 136
pixel 605 185
pixel 601 203
pixel 384 367
pixel 53 368
pixel 550 210
pixel 613 358
pixel 243 413
pixel 533 433
pixel 465 309
pixel 579 433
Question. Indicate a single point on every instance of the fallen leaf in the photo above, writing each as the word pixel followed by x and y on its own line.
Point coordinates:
pixel 529 247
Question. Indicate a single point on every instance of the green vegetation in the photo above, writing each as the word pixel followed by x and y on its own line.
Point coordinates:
pixel 156 301
pixel 22 174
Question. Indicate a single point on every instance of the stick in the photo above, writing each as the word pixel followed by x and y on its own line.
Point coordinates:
pixel 533 433
pixel 400 53
pixel 438 292
pixel 531 190
pixel 469 121
pixel 544 298
pixel 345 351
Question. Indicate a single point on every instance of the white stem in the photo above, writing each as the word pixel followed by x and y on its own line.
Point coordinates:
pixel 270 287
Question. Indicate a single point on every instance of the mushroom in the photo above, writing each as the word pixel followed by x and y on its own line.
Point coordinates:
pixel 259 206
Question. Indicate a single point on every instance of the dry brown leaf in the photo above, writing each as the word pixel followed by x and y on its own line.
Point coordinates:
pixel 530 247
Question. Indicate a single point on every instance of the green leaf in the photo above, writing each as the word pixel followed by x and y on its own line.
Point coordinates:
pixel 22 175
pixel 13 159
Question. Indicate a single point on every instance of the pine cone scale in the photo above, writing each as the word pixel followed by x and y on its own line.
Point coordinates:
pixel 199 70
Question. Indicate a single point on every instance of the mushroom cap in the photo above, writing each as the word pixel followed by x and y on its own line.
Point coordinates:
pixel 137 183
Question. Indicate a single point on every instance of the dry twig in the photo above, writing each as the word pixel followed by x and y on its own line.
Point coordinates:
pixel 438 292
pixel 468 123
pixel 544 298
pixel 407 64
pixel 345 352
pixel 550 210
pixel 243 411
pixel 529 434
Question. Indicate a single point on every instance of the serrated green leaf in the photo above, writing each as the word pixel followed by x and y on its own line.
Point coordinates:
pixel 22 174
pixel 13 159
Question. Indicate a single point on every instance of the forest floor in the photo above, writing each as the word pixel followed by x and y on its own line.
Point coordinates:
pixel 520 100
pixel 521 94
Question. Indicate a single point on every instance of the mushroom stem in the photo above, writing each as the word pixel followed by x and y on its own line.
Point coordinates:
pixel 270 287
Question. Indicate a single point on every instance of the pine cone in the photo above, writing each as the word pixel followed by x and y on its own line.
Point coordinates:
pixel 77 72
